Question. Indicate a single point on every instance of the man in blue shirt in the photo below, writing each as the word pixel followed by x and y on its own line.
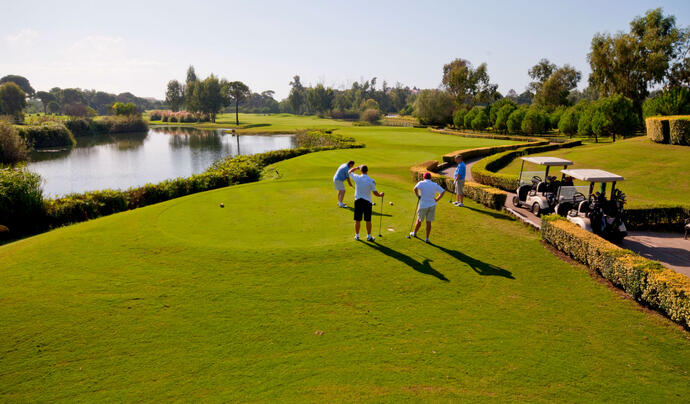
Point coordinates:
pixel 459 180
pixel 339 178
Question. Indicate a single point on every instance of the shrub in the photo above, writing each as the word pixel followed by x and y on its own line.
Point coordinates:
pixel 614 115
pixel 514 123
pixel 644 280
pixel 534 121
pixel 675 101
pixel 125 109
pixel 584 124
pixel 679 131
pixel 655 130
pixel 13 148
pixel 21 200
pixel 481 120
pixel 49 134
pixel 496 107
pixel 567 124
pixel 124 124
pixel 459 117
pixel 79 126
pixel 555 117
pixel 370 115
pixel 656 217
pixel 502 115
pixel 434 107
pixel 155 115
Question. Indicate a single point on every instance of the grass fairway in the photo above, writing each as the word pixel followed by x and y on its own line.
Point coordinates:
pixel 259 123
pixel 270 299
pixel 654 173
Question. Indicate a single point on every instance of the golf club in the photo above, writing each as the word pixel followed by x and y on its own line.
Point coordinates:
pixel 414 216
pixel 381 217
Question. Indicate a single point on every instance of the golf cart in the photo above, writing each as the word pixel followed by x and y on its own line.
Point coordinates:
pixel 535 192
pixel 595 213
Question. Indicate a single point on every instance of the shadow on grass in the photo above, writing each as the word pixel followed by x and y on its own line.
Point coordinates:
pixel 422 267
pixel 480 267
pixel 373 213
pixel 495 215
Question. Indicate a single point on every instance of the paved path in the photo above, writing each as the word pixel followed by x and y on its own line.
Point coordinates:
pixel 668 248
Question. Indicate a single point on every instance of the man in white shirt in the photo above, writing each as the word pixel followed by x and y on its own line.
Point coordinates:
pixel 426 191
pixel 364 186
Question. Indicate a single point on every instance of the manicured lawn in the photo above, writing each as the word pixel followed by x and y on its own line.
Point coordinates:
pixel 654 173
pixel 270 299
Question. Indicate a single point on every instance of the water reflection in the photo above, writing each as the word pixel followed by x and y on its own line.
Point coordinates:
pixel 134 159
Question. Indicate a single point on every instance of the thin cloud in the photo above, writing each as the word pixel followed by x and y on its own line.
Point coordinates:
pixel 24 37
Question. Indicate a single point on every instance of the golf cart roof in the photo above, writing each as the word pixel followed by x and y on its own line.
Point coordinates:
pixel 548 161
pixel 592 175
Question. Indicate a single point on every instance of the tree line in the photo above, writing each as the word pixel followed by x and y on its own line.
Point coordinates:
pixel 634 74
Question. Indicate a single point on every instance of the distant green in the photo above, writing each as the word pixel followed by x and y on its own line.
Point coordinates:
pixel 270 299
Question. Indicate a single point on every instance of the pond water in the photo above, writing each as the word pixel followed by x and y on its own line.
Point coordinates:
pixel 134 159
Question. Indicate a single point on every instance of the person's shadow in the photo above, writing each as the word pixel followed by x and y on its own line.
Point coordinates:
pixel 423 267
pixel 480 267
pixel 373 212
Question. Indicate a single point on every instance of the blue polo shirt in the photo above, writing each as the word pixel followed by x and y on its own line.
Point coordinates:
pixel 341 174
pixel 460 171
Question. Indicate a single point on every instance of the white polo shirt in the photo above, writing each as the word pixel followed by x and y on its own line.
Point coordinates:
pixel 364 185
pixel 428 190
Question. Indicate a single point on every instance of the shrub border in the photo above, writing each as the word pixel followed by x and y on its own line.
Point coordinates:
pixel 646 281
pixel 672 129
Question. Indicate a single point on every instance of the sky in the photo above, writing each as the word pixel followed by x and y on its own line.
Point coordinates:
pixel 120 46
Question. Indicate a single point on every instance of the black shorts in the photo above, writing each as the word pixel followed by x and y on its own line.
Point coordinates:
pixel 362 207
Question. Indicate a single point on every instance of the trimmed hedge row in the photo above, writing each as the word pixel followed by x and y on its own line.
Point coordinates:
pixel 669 129
pixel 646 281
pixel 484 171
pixel 49 134
pixel 486 195
pixel 486 151
pixel 657 217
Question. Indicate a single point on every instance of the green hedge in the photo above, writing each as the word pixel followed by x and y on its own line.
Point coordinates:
pixel 484 171
pixel 487 135
pixel 679 131
pixel 486 195
pixel 229 171
pixel 486 151
pixel 657 217
pixel 646 281
pixel 49 134
pixel 669 129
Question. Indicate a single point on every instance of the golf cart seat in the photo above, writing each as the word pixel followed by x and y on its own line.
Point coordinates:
pixel 542 187
pixel 583 207
pixel 523 191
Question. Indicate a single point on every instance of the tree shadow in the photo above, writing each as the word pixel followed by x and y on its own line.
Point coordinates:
pixel 373 213
pixel 480 267
pixel 495 215
pixel 423 267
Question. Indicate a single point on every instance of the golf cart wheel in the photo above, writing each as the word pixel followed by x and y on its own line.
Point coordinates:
pixel 536 209
pixel 516 201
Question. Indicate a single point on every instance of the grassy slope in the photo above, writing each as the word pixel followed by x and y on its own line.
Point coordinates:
pixel 184 300
pixel 654 173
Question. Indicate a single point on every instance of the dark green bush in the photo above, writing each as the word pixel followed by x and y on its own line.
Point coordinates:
pixel 459 117
pixel 480 120
pixel 13 148
pixel 534 121
pixel 125 124
pixel 80 126
pixel 21 201
pixel 614 115
pixel 675 101
pixel 49 134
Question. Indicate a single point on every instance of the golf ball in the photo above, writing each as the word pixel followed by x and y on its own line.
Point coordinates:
pixel 391 203
pixel 222 205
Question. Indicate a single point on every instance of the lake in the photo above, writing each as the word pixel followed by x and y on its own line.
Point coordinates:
pixel 129 160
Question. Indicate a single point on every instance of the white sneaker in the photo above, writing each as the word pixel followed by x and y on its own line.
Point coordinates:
pixel 456 203
pixel 413 234
pixel 357 237
pixel 369 238
pixel 460 205
pixel 426 240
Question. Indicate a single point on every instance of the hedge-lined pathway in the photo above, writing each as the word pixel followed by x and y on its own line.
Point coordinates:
pixel 669 248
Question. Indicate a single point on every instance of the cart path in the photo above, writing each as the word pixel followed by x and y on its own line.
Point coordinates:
pixel 668 248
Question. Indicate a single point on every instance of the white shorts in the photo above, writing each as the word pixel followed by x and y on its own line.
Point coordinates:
pixel 458 187
pixel 427 213
pixel 339 185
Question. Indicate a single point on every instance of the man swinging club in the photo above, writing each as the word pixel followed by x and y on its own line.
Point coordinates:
pixel 426 191
pixel 364 186
pixel 342 175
